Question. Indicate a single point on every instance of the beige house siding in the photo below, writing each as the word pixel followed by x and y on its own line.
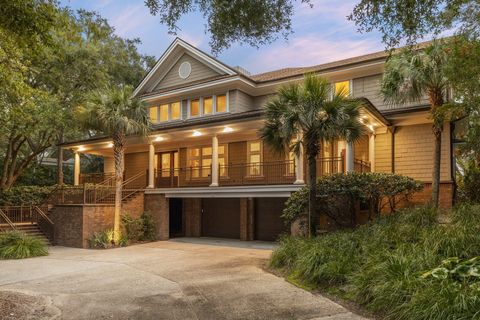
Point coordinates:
pixel 240 101
pixel 383 153
pixel 361 148
pixel 199 71
pixel 369 87
pixel 135 163
pixel 414 147
pixel 108 164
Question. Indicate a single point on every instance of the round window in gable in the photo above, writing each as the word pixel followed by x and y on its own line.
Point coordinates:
pixel 185 70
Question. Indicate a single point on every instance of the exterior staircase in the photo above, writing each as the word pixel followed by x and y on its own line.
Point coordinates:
pixel 32 229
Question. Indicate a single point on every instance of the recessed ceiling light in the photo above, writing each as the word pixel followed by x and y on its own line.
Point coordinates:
pixel 110 145
pixel 159 138
pixel 227 129
pixel 80 149
pixel 196 133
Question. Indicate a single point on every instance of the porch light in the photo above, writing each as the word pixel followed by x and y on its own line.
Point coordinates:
pixel 196 133
pixel 80 149
pixel 158 139
pixel 227 129
pixel 110 145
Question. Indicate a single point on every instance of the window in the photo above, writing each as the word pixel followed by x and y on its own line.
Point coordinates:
pixel 194 108
pixel 221 103
pixel 291 163
pixel 153 114
pixel 342 88
pixel 208 105
pixel 254 154
pixel 176 110
pixel 165 112
pixel 200 161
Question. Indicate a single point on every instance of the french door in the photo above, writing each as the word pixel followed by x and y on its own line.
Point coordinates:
pixel 167 169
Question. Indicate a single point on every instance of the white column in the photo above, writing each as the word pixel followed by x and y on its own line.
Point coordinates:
pixel 214 162
pixel 350 157
pixel 371 152
pixel 299 167
pixel 151 166
pixel 76 169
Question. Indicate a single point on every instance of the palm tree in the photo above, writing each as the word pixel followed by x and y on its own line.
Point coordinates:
pixel 302 115
pixel 412 75
pixel 115 113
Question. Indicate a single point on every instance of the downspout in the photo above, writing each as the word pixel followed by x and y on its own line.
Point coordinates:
pixel 392 142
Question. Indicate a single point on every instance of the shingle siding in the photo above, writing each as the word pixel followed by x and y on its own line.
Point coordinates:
pixel 369 87
pixel 199 71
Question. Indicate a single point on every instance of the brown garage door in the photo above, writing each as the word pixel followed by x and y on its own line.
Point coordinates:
pixel 221 218
pixel 268 223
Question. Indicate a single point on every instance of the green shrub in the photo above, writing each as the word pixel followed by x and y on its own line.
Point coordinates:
pixel 133 227
pixel 149 229
pixel 17 245
pixel 469 184
pixel 399 266
pixel 24 195
pixel 141 229
pixel 102 240
pixel 338 194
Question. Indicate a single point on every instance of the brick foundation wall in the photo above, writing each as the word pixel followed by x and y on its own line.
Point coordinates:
pixel 158 206
pixel 135 206
pixel 192 212
pixel 446 195
pixel 75 224
pixel 68 225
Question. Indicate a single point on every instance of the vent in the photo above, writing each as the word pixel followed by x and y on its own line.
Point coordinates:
pixel 184 70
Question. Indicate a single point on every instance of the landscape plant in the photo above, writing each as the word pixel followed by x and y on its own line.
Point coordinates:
pixel 339 194
pixel 115 113
pixel 301 115
pixel 17 245
pixel 405 265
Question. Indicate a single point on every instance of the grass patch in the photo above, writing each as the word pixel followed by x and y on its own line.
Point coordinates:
pixel 380 265
pixel 17 245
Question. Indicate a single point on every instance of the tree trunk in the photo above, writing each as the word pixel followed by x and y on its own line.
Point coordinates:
pixel 436 166
pixel 118 154
pixel 60 162
pixel 312 198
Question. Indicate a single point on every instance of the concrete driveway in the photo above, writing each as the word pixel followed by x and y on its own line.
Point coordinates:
pixel 186 279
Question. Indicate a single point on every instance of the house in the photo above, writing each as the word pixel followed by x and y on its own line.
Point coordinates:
pixel 203 171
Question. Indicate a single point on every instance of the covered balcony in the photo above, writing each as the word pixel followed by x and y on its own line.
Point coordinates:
pixel 224 154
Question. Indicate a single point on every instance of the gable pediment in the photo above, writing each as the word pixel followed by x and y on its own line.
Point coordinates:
pixel 181 64
pixel 186 70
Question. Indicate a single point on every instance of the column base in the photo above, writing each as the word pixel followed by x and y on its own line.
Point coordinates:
pixel 213 185
pixel 299 182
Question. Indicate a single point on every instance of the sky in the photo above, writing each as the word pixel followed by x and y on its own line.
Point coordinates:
pixel 321 34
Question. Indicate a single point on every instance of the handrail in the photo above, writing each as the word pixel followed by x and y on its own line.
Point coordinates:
pixel 132 178
pixel 4 216
pixel 40 212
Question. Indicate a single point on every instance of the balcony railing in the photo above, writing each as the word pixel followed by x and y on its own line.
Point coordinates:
pixel 99 177
pixel 361 166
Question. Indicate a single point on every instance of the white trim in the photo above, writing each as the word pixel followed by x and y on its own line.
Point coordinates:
pixel 179 42
pixel 283 191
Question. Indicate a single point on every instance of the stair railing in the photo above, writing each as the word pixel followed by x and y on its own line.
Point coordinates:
pixel 45 224
pixel 7 220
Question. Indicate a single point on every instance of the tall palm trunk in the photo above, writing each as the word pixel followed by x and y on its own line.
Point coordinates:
pixel 312 184
pixel 437 155
pixel 436 100
pixel 118 154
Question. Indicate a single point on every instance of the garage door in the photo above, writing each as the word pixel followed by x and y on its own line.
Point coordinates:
pixel 268 223
pixel 221 218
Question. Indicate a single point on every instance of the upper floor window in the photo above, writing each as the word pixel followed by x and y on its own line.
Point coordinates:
pixel 342 87
pixel 208 105
pixel 291 163
pixel 165 112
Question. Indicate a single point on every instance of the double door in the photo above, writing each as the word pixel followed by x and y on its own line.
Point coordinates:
pixel 167 169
